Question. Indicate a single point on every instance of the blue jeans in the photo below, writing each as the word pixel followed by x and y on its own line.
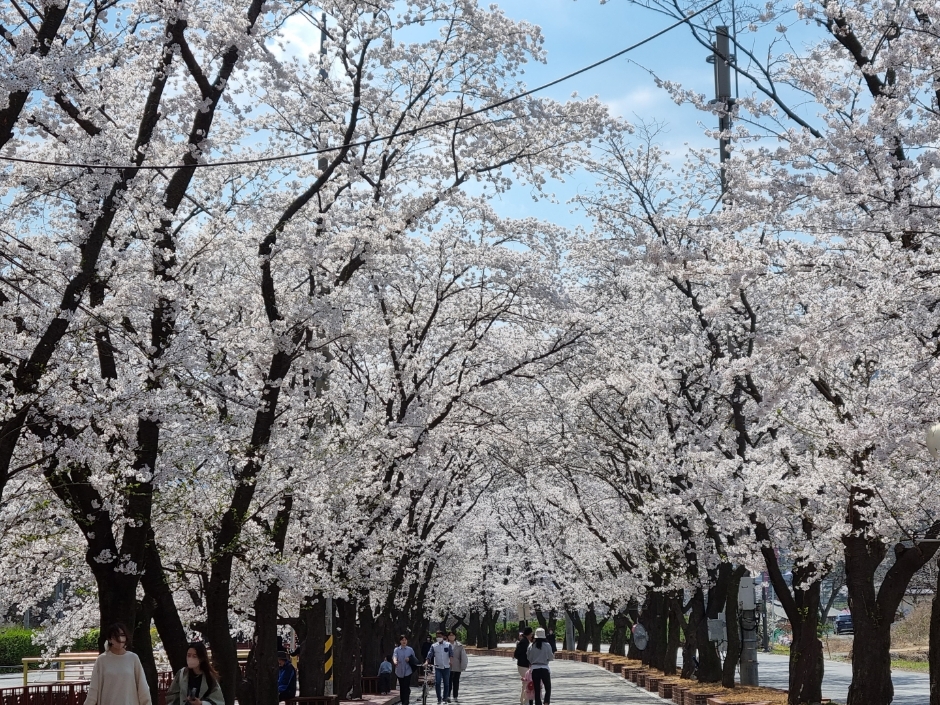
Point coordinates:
pixel 441 678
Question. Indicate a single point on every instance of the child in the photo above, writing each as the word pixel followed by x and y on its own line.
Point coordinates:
pixel 385 676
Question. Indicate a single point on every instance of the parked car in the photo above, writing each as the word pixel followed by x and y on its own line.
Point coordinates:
pixel 844 624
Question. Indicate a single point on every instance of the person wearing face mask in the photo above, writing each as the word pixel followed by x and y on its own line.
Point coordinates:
pixel 440 655
pixel 197 683
pixel 117 677
pixel 458 664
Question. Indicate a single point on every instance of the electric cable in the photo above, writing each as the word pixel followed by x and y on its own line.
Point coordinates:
pixel 380 138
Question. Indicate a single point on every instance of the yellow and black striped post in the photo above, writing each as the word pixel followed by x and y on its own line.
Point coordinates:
pixel 328 650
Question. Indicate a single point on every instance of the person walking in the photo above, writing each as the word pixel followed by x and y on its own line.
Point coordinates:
pixel 404 660
pixel 540 655
pixel 197 683
pixel 521 654
pixel 458 664
pixel 286 678
pixel 117 677
pixel 440 655
pixel 552 639
pixel 385 675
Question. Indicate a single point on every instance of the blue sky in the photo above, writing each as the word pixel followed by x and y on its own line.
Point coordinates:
pixel 576 34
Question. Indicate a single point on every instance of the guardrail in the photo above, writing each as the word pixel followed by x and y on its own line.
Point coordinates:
pixel 78 665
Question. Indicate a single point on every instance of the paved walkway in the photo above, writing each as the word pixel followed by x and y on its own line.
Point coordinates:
pixel 493 680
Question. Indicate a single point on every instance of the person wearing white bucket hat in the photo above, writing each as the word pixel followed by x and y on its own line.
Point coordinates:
pixel 540 655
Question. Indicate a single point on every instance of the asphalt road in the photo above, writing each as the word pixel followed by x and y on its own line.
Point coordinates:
pixel 909 688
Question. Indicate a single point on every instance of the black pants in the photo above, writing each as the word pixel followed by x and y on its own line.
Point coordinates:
pixel 540 677
pixel 385 682
pixel 454 690
pixel 404 689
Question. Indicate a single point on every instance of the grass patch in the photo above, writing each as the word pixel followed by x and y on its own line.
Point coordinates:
pixel 905 665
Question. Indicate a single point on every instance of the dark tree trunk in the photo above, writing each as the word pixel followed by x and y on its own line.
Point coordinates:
pixel 310 674
pixel 484 636
pixel 347 665
pixel 633 612
pixel 166 617
pixel 709 665
pixel 260 684
pixel 733 655
pixel 582 637
pixel 219 637
pixel 225 541
pixel 473 628
pixel 674 610
pixel 618 641
pixel 492 637
pixel 261 672
pixel 143 645
pixel 802 608
pixel 873 611
pixel 370 639
pixel 654 620
pixel 693 629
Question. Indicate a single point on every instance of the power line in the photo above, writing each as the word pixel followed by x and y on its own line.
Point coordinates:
pixel 381 138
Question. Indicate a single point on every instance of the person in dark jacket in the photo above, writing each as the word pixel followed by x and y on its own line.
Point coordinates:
pixel 522 661
pixel 426 647
pixel 550 638
pixel 286 677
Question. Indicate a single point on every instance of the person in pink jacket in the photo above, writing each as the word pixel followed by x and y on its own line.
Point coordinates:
pixel 118 678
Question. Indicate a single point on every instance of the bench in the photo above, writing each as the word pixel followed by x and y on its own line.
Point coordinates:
pixel 370 685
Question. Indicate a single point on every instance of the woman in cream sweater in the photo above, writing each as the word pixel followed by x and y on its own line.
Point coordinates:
pixel 118 678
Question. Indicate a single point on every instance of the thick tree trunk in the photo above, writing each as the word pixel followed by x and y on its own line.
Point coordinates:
pixel 370 639
pixel 654 620
pixel 473 628
pixel 873 611
pixel 618 641
pixel 582 637
pixel 674 611
pixel 633 612
pixel 143 645
pixel 806 663
pixel 261 672
pixel 310 673
pixel 709 661
pixel 166 617
pixel 260 684
pixel 492 637
pixel 347 665
pixel 117 600
pixel 691 645
pixel 871 665
pixel 217 631
pixel 802 608
pixel 733 655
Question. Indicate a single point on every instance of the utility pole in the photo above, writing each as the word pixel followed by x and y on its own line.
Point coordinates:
pixel 721 60
pixel 766 617
pixel 328 649
pixel 747 604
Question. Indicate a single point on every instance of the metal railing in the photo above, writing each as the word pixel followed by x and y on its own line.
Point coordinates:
pixel 77 666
